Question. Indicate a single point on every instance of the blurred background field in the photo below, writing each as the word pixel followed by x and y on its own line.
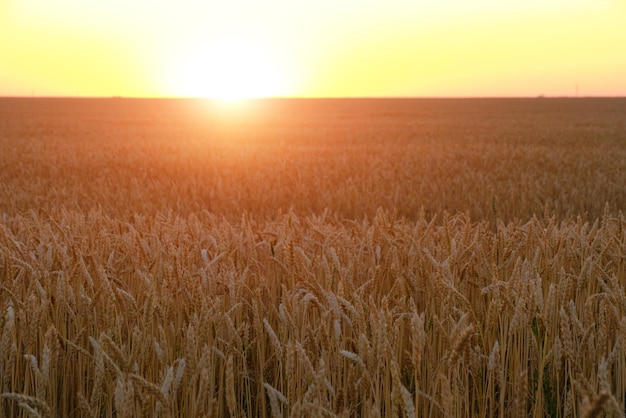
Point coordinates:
pixel 504 158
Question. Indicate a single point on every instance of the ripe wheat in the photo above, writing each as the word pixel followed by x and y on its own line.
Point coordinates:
pixel 324 263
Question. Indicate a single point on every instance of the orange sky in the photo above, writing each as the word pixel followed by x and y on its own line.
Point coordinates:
pixel 326 48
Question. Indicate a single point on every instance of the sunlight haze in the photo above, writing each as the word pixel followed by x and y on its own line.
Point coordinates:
pixel 312 49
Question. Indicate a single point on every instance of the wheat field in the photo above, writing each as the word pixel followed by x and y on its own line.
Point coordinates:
pixel 351 258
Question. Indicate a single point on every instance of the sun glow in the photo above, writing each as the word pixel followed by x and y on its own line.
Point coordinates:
pixel 229 71
pixel 251 48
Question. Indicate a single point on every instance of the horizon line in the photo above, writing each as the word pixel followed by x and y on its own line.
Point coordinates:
pixel 540 96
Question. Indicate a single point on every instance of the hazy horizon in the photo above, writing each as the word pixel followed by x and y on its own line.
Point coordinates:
pixel 35 96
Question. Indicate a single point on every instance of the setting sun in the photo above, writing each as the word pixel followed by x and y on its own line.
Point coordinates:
pixel 230 69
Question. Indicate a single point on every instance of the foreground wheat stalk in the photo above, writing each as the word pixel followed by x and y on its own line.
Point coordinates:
pixel 381 317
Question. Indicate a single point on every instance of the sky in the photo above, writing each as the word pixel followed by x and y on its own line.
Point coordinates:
pixel 322 48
